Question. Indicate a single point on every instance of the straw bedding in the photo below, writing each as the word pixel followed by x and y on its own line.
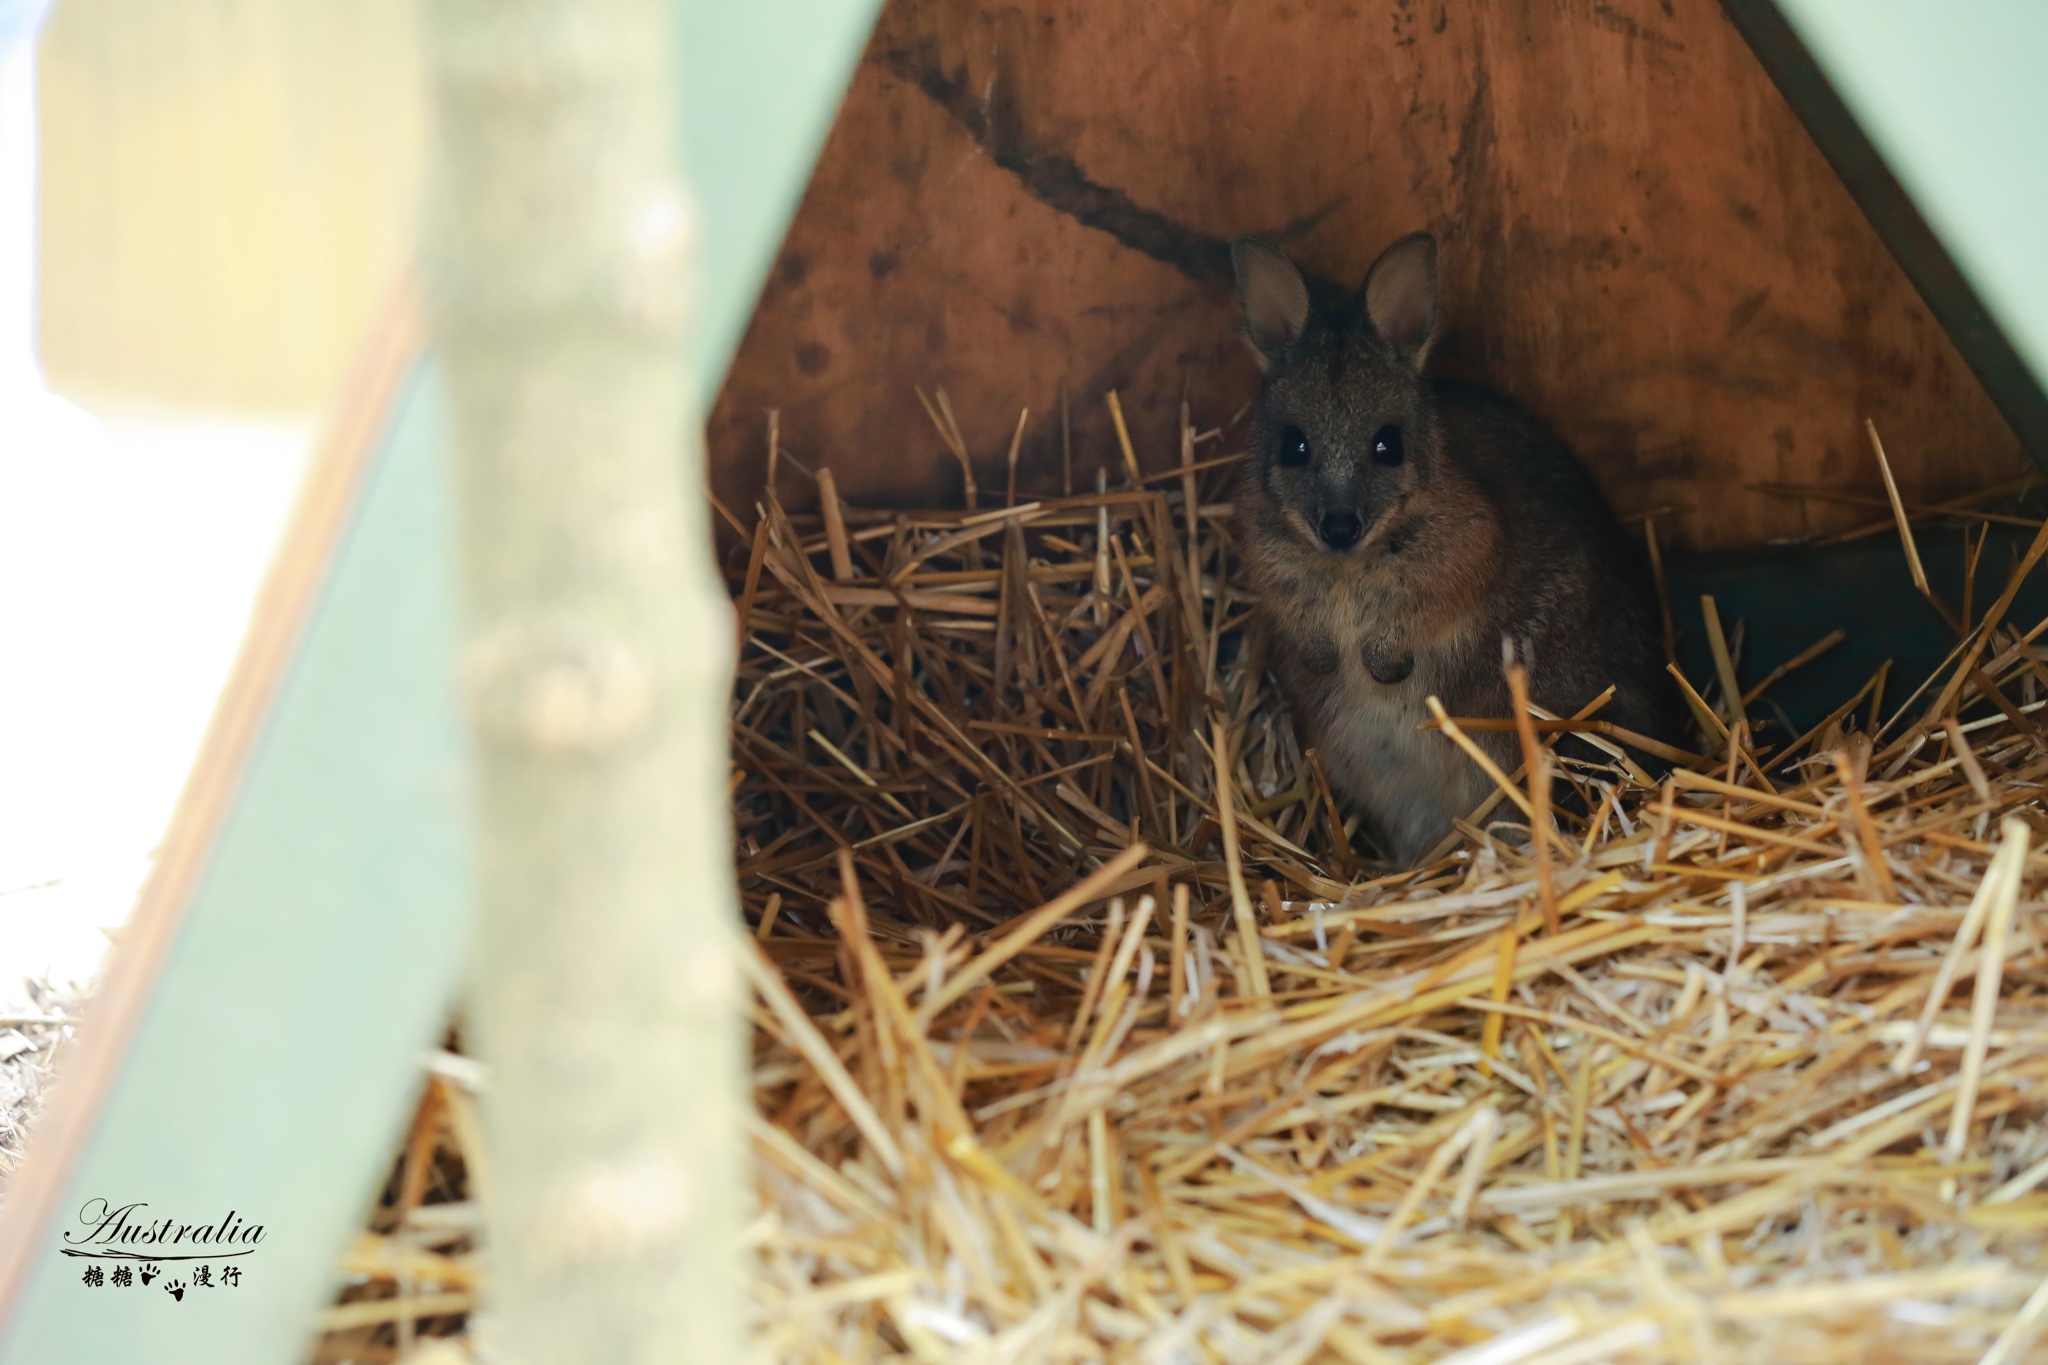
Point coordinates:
pixel 1082 1033
pixel 30 1042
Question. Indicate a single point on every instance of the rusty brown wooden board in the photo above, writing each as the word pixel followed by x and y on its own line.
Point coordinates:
pixel 1982 342
pixel 1641 243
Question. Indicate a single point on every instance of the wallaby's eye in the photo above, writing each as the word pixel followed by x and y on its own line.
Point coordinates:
pixel 1293 447
pixel 1386 445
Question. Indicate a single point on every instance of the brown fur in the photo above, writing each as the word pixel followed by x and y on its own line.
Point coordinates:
pixel 1485 529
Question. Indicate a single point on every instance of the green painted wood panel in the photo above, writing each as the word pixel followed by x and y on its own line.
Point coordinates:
pixel 762 82
pixel 278 1059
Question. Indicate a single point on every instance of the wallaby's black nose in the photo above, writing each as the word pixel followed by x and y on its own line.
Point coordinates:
pixel 1341 530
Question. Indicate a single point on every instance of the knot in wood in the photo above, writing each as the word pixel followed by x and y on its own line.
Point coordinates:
pixel 558 687
pixel 615 1210
pixel 652 290
pixel 704 982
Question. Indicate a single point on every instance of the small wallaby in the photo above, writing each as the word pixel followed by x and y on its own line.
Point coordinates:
pixel 1399 527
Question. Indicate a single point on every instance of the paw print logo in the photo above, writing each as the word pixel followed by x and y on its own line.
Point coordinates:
pixel 176 1289
pixel 150 1272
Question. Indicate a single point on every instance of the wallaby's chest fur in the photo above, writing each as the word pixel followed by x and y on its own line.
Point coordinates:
pixel 1398 529
pixel 1360 640
pixel 1508 540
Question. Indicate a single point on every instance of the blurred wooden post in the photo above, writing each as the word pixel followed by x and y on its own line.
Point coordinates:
pixel 597 667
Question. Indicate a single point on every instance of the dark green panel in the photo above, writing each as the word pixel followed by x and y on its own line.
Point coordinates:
pixel 1789 599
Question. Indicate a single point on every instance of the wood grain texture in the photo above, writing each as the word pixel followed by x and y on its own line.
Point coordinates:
pixel 1640 243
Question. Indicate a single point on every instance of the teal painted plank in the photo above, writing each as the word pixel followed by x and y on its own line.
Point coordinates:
pixel 1952 96
pixel 277 1065
pixel 762 82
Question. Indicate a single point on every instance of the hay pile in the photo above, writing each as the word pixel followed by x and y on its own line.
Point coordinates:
pixel 1084 1035
pixel 1062 1055
pixel 410 1280
pixel 30 1041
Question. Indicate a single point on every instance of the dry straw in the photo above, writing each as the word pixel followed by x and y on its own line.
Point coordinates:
pixel 1747 1064
pixel 1083 1034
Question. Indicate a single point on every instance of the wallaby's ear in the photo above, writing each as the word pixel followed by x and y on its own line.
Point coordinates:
pixel 1400 296
pixel 1271 293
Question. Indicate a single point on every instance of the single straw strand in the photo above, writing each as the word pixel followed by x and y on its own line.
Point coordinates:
pixel 1030 929
pixel 1724 662
pixel 1233 861
pixel 803 1035
pixel 1542 829
pixel 2006 869
pixel 835 526
pixel 1123 440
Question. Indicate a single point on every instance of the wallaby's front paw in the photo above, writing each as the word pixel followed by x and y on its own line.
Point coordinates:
pixel 1388 662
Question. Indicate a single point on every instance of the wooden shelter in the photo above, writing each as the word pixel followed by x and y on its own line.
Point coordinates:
pixel 1031 203
pixel 1026 205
